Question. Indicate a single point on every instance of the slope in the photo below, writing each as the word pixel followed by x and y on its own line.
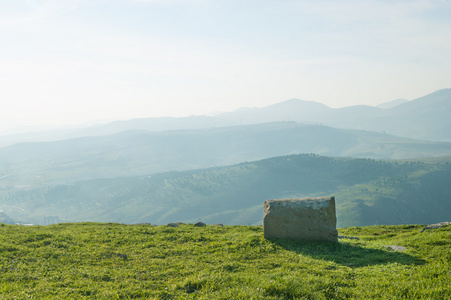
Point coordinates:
pixel 117 261
pixel 425 118
pixel 368 192
pixel 134 153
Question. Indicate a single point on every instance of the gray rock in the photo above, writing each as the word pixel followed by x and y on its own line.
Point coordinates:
pixel 173 225
pixel 311 219
pixel 124 256
pixel 395 247
pixel 348 237
pixel 200 224
pixel 435 226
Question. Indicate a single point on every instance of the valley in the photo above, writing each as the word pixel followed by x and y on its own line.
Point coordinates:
pixel 221 168
pixel 368 192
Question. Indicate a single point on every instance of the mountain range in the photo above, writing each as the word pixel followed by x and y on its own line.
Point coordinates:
pixel 139 152
pixel 424 118
pixel 36 168
pixel 367 192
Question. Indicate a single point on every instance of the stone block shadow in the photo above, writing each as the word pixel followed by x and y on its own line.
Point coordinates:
pixel 346 254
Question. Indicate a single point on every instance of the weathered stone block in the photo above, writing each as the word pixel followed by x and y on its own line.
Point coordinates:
pixel 311 219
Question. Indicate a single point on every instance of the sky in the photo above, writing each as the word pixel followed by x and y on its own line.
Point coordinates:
pixel 74 62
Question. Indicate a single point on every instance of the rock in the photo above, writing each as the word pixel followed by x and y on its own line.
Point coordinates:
pixel 395 247
pixel 124 256
pixel 435 226
pixel 218 224
pixel 173 225
pixel 311 219
pixel 348 237
pixel 200 224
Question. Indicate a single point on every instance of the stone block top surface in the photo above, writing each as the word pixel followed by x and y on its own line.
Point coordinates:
pixel 313 203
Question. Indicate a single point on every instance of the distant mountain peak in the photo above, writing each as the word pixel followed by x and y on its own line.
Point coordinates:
pixel 299 102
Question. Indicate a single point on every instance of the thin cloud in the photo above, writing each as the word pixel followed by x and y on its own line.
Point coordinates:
pixel 30 11
pixel 170 1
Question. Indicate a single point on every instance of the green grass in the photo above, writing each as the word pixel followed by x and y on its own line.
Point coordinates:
pixel 116 261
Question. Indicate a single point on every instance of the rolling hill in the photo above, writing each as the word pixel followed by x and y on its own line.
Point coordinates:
pixel 425 118
pixel 119 171
pixel 367 192
pixel 135 152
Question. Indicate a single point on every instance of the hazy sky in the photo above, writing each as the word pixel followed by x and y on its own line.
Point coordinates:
pixel 79 61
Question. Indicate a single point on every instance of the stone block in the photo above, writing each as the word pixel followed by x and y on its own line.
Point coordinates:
pixel 311 219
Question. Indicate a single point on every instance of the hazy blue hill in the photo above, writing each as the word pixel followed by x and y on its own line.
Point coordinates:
pixel 290 110
pixel 5 219
pixel 426 118
pixel 393 103
pixel 368 192
pixel 155 124
pixel 144 124
pixel 360 117
pixel 429 102
pixel 137 152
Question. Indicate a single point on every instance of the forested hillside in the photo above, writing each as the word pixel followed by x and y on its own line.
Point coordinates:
pixel 367 192
pixel 135 153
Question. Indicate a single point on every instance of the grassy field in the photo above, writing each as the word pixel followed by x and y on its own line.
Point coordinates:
pixel 116 261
